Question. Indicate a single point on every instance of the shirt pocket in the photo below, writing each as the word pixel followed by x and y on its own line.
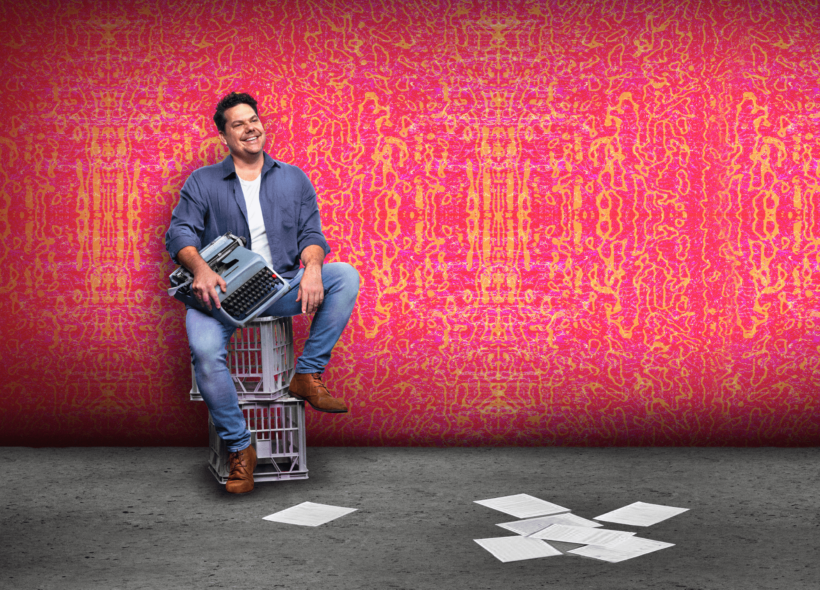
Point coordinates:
pixel 288 216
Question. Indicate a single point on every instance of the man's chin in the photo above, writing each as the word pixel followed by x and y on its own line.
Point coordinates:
pixel 250 151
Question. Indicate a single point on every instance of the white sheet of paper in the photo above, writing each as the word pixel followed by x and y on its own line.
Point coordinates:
pixel 517 548
pixel 522 506
pixel 634 547
pixel 641 514
pixel 533 525
pixel 581 534
pixel 309 514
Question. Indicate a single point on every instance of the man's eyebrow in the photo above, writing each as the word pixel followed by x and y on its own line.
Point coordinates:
pixel 240 121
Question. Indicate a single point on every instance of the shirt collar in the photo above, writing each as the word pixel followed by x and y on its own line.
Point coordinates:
pixel 228 169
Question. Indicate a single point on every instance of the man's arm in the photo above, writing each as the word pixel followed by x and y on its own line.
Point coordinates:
pixel 205 279
pixel 311 288
pixel 188 218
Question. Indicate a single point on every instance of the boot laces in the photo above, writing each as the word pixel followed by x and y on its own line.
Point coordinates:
pixel 237 461
pixel 317 380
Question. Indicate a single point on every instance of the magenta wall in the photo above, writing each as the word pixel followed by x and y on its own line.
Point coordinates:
pixel 576 224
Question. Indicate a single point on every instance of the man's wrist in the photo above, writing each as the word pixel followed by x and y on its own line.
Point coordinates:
pixel 200 267
pixel 312 257
pixel 189 258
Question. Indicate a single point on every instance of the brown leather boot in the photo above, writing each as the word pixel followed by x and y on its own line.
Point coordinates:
pixel 309 387
pixel 242 463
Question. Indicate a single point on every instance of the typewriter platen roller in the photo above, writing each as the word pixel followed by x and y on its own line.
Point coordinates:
pixel 252 287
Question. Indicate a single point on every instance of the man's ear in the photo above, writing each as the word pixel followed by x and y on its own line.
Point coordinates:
pixel 222 138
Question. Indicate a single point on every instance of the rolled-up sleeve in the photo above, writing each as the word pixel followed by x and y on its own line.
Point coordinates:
pixel 187 220
pixel 310 224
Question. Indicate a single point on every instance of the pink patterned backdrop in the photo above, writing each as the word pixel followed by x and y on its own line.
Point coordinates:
pixel 576 223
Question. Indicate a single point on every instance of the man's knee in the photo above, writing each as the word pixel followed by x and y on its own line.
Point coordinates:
pixel 207 359
pixel 351 277
pixel 348 278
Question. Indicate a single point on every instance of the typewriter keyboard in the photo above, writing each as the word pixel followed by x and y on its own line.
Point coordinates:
pixel 245 298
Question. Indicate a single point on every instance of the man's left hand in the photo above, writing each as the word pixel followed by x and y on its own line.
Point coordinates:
pixel 311 289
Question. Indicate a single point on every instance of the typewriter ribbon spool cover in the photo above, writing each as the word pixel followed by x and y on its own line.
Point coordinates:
pixel 252 287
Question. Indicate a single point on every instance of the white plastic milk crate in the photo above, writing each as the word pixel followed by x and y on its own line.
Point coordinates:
pixel 260 359
pixel 278 434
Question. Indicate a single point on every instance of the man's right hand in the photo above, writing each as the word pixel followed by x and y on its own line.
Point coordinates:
pixel 205 284
pixel 205 279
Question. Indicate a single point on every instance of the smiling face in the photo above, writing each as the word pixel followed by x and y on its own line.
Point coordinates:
pixel 244 134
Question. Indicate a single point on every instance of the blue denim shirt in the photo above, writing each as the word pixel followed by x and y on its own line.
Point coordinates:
pixel 212 203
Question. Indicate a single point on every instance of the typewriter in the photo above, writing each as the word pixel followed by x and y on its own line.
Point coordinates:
pixel 251 286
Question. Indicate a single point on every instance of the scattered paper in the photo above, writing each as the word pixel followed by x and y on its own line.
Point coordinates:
pixel 581 534
pixel 533 525
pixel 522 506
pixel 641 514
pixel 309 514
pixel 628 549
pixel 517 548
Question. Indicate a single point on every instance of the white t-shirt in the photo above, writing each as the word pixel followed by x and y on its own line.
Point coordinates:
pixel 259 238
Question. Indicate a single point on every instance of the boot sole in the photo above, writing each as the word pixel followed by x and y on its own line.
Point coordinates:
pixel 293 395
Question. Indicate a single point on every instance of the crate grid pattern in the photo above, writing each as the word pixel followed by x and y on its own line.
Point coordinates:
pixel 278 434
pixel 260 359
pixel 275 427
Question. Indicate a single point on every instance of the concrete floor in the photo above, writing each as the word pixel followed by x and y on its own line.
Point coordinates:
pixel 154 518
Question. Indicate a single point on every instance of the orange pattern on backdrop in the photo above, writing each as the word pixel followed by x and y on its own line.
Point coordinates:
pixel 576 223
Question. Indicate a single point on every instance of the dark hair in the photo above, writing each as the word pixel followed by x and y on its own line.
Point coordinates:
pixel 230 101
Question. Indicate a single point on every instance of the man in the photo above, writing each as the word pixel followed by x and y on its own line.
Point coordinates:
pixel 273 206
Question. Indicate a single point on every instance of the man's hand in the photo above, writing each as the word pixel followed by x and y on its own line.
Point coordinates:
pixel 311 289
pixel 205 284
pixel 205 279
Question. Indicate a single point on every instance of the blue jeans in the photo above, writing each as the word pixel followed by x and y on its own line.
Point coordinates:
pixel 208 339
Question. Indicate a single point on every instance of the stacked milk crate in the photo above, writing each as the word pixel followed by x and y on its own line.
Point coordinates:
pixel 260 359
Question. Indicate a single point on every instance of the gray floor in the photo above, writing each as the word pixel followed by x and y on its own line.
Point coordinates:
pixel 154 518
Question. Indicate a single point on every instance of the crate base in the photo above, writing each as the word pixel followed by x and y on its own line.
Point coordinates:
pixel 254 396
pixel 264 473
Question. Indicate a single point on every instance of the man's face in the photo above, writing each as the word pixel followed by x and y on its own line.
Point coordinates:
pixel 244 134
